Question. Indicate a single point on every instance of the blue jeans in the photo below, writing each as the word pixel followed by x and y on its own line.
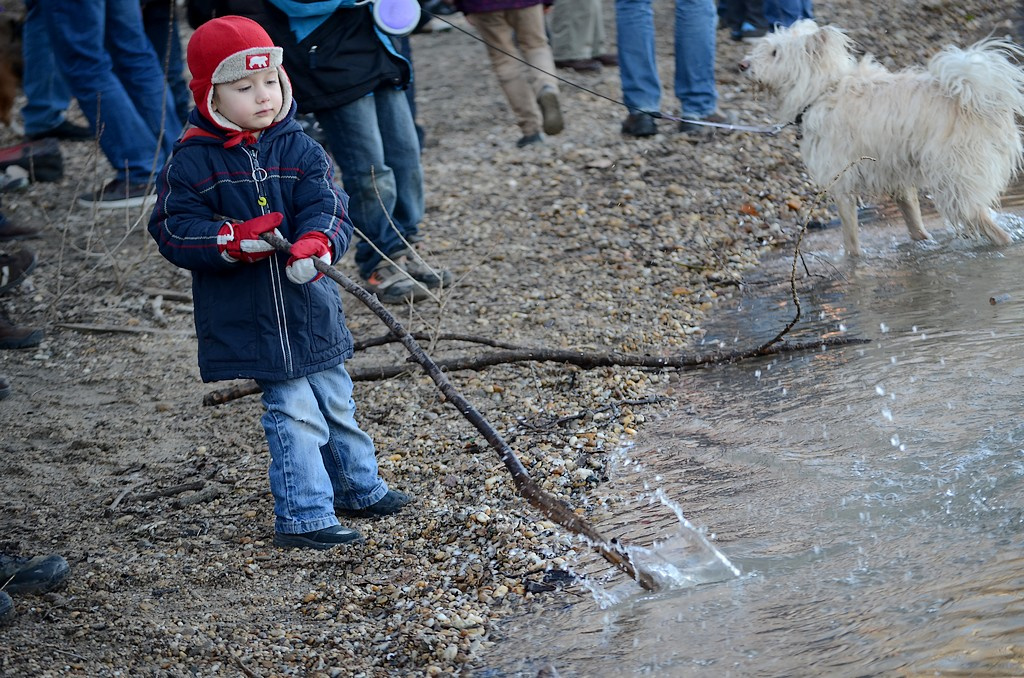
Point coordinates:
pixel 694 56
pixel 787 12
pixel 110 66
pixel 319 457
pixel 47 96
pixel 373 140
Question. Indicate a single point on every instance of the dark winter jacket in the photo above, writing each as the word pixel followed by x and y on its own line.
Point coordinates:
pixel 251 321
pixel 344 58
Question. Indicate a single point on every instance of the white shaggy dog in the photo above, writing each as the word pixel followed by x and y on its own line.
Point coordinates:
pixel 950 128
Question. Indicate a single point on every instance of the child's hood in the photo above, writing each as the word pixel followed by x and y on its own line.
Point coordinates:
pixel 226 49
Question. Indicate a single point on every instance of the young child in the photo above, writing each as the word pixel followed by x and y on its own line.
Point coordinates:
pixel 245 167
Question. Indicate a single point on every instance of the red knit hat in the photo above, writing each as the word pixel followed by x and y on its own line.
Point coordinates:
pixel 226 49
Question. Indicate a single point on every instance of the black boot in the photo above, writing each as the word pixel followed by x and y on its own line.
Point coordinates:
pixel 32 575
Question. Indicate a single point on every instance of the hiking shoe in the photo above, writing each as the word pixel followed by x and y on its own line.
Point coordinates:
pixel 118 194
pixel 6 609
pixel 529 140
pixel 550 111
pixel 14 268
pixel 608 59
pixel 393 285
pixel 5 388
pixel 389 504
pixel 13 336
pixel 639 125
pixel 66 130
pixel 32 575
pixel 696 130
pixel 327 538
pixel 415 266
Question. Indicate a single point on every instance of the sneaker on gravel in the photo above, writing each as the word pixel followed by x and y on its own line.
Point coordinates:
pixel 389 504
pixel 697 130
pixel 392 285
pixel 14 336
pixel 38 574
pixel 415 266
pixel 639 125
pixel 327 538
pixel 550 111
pixel 119 194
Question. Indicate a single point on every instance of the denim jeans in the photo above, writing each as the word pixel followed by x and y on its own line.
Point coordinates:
pixel 161 26
pixel 787 12
pixel 110 66
pixel 47 96
pixel 373 140
pixel 319 457
pixel 694 56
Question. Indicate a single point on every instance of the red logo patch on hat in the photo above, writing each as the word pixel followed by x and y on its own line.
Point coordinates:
pixel 255 62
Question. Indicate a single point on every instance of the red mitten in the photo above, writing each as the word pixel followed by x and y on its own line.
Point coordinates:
pixel 242 242
pixel 300 268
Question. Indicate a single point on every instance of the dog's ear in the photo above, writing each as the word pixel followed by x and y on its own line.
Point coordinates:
pixel 826 39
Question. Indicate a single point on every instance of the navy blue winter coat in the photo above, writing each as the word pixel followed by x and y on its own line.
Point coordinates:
pixel 251 321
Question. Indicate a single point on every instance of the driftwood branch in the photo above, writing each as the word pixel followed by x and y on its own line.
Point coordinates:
pixel 584 359
pixel 612 551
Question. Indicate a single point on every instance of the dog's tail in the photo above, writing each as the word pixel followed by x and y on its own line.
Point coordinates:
pixel 986 77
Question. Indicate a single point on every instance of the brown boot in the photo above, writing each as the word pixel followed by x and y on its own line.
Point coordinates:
pixel 13 336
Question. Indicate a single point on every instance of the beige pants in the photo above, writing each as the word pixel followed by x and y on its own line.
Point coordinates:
pixel 577 29
pixel 520 32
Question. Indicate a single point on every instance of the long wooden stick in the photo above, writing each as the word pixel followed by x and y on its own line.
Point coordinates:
pixel 612 551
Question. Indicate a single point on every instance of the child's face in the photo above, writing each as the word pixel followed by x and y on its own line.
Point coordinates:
pixel 252 102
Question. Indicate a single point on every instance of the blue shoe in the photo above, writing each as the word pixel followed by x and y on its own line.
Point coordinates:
pixel 327 538
pixel 389 504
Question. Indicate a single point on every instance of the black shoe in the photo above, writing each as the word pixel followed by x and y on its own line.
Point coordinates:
pixel 529 140
pixel 119 194
pixel 327 538
pixel 6 609
pixel 390 503
pixel 67 130
pixel 639 125
pixel 14 268
pixel 32 575
pixel 5 388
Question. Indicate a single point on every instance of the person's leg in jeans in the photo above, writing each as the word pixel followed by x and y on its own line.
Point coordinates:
pixel 161 25
pixel 355 134
pixel 695 57
pixel 296 430
pixel 402 155
pixel 77 33
pixel 140 71
pixel 638 67
pixel 405 49
pixel 348 455
pixel 47 95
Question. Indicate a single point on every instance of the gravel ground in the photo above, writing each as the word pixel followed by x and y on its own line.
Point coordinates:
pixel 591 241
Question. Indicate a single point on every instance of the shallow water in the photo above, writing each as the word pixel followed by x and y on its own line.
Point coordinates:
pixel 871 497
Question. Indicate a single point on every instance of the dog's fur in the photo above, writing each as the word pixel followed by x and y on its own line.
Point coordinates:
pixel 949 128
